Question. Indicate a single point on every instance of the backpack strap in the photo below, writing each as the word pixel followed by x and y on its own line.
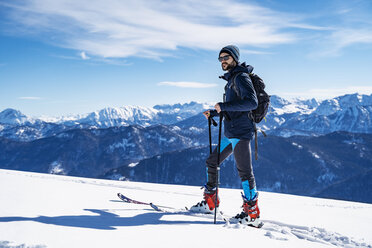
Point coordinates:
pixel 233 84
pixel 236 90
pixel 256 141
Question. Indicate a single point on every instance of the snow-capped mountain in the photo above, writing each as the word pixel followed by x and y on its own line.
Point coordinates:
pixel 16 126
pixel 87 146
pixel 137 115
pixel 117 117
pixel 280 106
pixel 184 110
pixel 352 113
pixel 12 117
pixel 329 107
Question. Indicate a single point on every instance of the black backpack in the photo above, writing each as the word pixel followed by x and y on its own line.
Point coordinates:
pixel 258 114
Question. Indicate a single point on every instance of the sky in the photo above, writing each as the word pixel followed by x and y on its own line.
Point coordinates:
pixel 66 57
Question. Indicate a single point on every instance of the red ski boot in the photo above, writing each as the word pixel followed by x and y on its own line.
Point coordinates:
pixel 251 213
pixel 208 204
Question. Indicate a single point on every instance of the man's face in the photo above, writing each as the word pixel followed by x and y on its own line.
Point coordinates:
pixel 227 64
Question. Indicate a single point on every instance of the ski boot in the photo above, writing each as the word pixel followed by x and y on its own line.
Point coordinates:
pixel 251 213
pixel 208 204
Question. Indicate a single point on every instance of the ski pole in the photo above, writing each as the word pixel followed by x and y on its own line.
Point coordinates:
pixel 218 166
pixel 210 134
pixel 210 121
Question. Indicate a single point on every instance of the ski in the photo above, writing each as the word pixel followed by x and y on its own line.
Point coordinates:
pixel 165 209
pixel 185 211
pixel 256 223
pixel 129 200
pixel 156 207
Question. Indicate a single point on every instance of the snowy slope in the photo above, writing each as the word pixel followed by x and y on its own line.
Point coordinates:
pixel 41 210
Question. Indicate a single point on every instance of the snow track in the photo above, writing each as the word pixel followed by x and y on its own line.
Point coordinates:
pixel 281 231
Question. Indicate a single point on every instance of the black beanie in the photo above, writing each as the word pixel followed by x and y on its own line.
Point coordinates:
pixel 232 50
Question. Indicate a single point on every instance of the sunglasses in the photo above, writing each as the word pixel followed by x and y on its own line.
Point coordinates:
pixel 224 58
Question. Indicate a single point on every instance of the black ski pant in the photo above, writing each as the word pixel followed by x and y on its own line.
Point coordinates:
pixel 242 154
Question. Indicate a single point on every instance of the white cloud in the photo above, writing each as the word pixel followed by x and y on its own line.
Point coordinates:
pixel 84 56
pixel 187 84
pixel 119 28
pixel 349 25
pixel 327 93
pixel 341 38
pixel 245 51
pixel 29 98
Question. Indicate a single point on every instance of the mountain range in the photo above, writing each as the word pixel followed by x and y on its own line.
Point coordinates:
pixel 316 148
pixel 17 126
pixel 351 113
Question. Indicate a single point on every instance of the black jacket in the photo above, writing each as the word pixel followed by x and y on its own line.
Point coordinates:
pixel 240 126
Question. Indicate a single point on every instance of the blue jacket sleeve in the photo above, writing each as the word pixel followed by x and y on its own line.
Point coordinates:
pixel 248 99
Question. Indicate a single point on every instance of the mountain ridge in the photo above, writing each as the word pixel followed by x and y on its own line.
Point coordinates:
pixel 285 118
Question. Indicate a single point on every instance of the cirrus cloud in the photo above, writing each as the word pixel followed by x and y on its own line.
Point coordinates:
pixel 327 93
pixel 29 98
pixel 187 84
pixel 153 29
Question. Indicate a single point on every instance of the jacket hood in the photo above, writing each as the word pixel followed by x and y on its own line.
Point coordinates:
pixel 243 67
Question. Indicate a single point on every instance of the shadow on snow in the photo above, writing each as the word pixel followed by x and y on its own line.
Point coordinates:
pixel 105 220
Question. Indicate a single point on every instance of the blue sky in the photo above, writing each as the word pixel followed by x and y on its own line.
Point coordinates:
pixel 71 56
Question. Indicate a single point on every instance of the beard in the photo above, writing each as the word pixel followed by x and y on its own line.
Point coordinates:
pixel 228 67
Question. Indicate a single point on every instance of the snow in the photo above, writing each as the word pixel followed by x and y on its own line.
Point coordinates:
pixel 315 155
pixel 295 144
pixel 196 130
pixel 327 177
pixel 281 106
pixel 56 168
pixel 42 210
pixel 12 117
pixel 175 128
pixel 133 164
pixel 124 144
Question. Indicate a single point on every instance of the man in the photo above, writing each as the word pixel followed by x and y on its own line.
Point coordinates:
pixel 238 131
